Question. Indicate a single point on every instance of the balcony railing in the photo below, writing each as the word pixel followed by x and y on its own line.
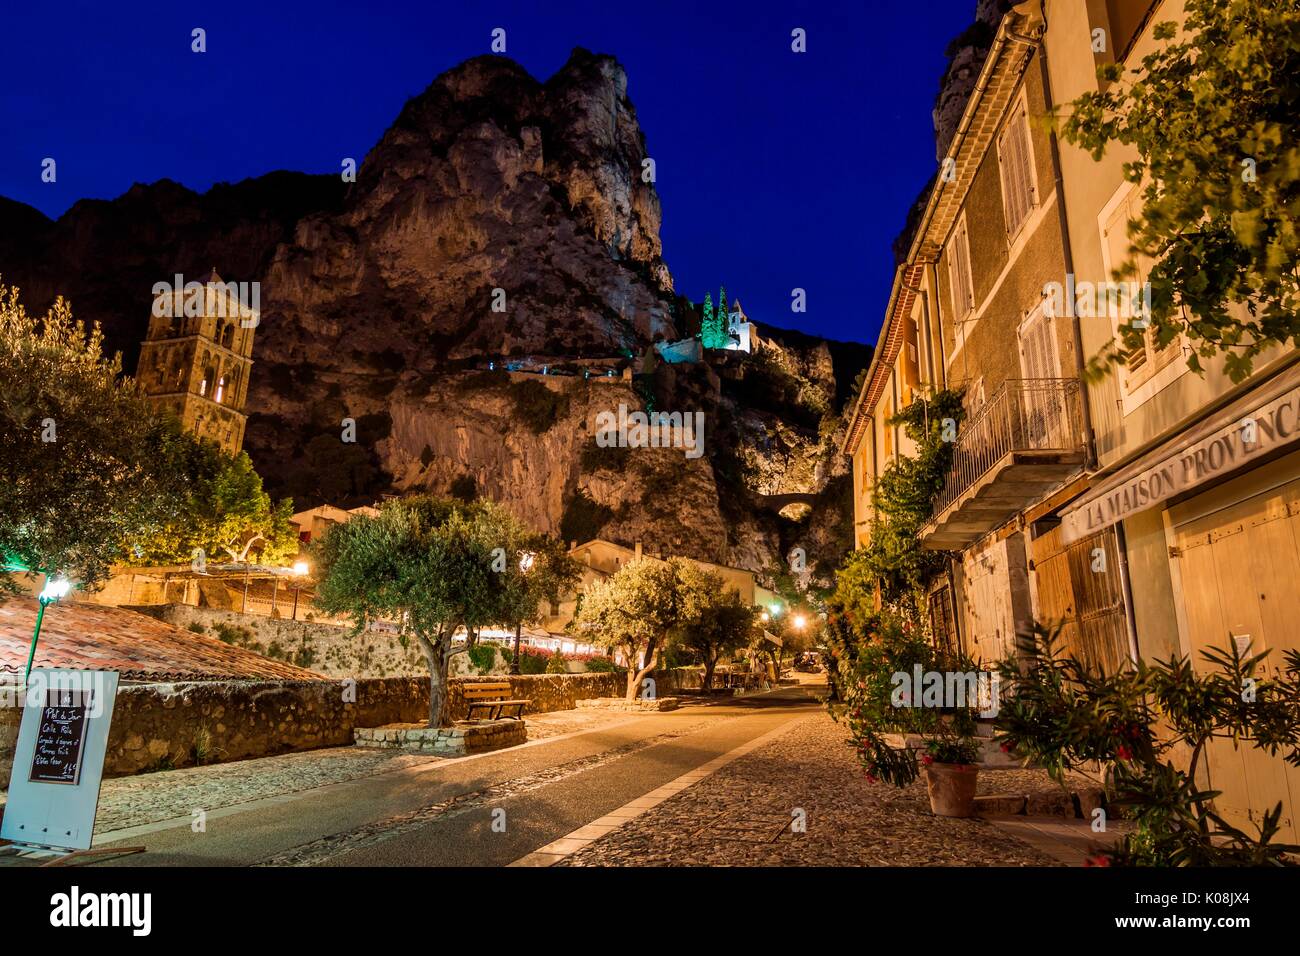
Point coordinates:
pixel 1024 415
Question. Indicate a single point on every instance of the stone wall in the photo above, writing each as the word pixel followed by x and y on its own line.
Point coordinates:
pixel 328 649
pixel 158 726
pixel 9 719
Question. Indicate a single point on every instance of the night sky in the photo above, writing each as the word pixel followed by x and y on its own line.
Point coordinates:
pixel 776 170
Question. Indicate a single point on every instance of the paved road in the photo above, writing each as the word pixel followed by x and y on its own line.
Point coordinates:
pixel 486 810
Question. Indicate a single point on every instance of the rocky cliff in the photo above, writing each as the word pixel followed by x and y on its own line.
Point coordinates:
pixel 500 220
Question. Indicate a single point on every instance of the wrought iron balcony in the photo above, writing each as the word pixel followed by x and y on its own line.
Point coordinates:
pixel 1020 445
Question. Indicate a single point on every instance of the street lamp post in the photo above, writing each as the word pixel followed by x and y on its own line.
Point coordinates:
pixel 53 590
pixel 526 560
pixel 299 571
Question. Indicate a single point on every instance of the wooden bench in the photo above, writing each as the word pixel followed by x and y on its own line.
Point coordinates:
pixel 493 697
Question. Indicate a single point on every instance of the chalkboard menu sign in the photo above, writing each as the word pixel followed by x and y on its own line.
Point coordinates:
pixel 61 736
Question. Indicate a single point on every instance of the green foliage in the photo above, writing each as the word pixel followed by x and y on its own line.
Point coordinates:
pixel 957 750
pixel 537 406
pixel 433 565
pixel 601 665
pixel 557 664
pixel 221 510
pixel 1215 121
pixel 637 611
pixel 83 459
pixel 583 518
pixel 903 499
pixel 234 633
pixel 530 662
pixel 483 657
pixel 1061 715
pixel 713 621
pixel 864 660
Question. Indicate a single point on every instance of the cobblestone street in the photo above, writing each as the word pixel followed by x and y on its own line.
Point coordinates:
pixel 742 815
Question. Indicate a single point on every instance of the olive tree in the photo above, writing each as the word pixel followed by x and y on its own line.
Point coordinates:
pixel 714 621
pixel 637 612
pixel 431 566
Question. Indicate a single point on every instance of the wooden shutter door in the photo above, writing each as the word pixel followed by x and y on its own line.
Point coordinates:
pixel 1237 567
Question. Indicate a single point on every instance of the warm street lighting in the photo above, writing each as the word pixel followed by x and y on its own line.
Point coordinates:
pixel 765 617
pixel 799 621
pixel 300 569
pixel 55 588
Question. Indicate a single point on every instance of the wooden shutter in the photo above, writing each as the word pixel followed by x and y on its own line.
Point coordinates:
pixel 1037 350
pixel 1119 251
pixel 963 298
pixel 1016 165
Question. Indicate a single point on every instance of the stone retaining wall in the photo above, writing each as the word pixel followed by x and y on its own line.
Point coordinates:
pixel 455 741
pixel 158 726
pixel 9 719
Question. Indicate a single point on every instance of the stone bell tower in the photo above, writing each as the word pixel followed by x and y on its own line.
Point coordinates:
pixel 195 360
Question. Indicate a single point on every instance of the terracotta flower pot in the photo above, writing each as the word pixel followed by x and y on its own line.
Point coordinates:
pixel 952 788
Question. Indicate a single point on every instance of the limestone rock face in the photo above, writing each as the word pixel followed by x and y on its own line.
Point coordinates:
pixel 966 56
pixel 488 180
pixel 499 219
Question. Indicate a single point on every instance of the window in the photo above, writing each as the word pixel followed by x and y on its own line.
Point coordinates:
pixel 1142 362
pixel 1125 18
pixel 1043 408
pixel 1016 163
pixel 963 291
pixel 1038 358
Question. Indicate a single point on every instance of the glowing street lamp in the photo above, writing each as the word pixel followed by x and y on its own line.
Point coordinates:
pixel 300 569
pixel 799 621
pixel 54 590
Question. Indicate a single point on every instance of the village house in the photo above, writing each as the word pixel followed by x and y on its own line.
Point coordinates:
pixel 1154 512
pixel 1196 477
pixel 967 312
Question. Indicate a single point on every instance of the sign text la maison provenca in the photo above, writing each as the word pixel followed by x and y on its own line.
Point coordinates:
pixel 1265 429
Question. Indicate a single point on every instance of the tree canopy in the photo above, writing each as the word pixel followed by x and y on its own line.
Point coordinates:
pixel 714 620
pixel 432 565
pixel 82 457
pixel 221 510
pixel 635 611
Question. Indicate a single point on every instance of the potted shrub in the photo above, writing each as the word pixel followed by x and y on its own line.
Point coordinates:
pixel 951 771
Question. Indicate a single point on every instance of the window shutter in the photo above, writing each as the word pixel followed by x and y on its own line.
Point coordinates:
pixel 1018 196
pixel 963 297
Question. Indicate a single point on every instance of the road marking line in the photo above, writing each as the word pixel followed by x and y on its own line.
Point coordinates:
pixel 571 843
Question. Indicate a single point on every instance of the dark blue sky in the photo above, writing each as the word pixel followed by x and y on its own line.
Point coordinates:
pixel 776 170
